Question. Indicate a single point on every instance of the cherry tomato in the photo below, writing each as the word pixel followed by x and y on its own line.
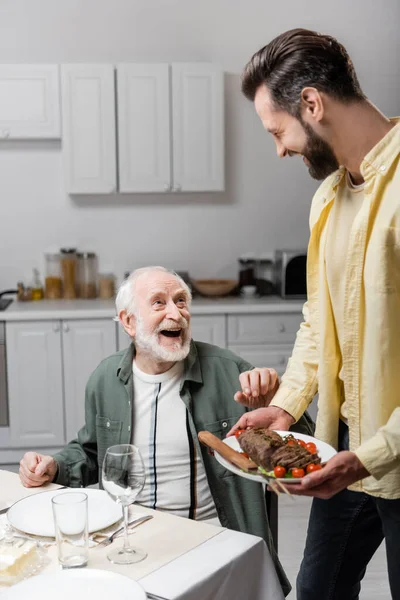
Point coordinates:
pixel 301 443
pixel 311 468
pixel 298 473
pixel 239 432
pixel 292 443
pixel 311 447
pixel 279 471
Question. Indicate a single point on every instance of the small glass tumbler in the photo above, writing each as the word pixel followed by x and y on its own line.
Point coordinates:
pixel 70 512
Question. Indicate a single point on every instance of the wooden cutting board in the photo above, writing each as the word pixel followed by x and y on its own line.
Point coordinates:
pixel 235 457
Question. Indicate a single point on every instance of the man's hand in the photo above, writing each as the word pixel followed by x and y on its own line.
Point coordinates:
pixel 37 469
pixel 258 387
pixel 271 417
pixel 339 472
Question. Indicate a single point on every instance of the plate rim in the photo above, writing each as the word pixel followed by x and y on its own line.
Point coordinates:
pixel 63 489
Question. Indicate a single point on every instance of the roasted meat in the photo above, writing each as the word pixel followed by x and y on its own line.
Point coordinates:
pixel 268 449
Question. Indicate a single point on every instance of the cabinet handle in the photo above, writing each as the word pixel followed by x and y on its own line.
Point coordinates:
pixel 282 360
pixel 5 133
pixel 66 327
pixel 282 327
pixel 56 328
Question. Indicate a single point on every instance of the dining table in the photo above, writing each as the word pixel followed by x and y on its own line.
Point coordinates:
pixel 186 559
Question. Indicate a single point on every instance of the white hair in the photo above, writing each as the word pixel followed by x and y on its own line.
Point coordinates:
pixel 126 296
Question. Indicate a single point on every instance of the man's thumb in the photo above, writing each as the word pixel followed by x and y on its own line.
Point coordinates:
pixel 43 466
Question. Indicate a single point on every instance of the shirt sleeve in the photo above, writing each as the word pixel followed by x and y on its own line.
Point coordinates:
pixel 381 453
pixel 299 384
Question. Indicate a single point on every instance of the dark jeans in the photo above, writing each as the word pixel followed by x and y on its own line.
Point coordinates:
pixel 343 535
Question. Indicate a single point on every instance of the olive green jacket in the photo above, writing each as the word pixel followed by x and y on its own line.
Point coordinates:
pixel 211 378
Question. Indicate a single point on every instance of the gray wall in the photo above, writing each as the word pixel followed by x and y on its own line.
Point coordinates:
pixel 266 202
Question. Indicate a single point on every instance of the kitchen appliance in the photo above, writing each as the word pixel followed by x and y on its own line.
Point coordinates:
pixel 5 302
pixel 290 273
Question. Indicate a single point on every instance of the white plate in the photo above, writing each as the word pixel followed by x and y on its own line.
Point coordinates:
pixel 34 514
pixel 79 584
pixel 325 452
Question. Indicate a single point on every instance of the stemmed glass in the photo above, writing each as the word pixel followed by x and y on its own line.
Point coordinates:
pixel 123 478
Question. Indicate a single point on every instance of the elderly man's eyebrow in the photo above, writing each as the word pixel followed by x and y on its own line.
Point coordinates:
pixel 181 292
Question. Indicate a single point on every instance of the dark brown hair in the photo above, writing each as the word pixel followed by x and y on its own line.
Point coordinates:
pixel 297 59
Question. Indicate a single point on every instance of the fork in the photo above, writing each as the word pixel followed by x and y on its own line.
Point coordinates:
pixel 109 540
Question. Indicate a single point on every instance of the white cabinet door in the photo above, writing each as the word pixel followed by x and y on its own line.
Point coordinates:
pixel 85 345
pixel 88 117
pixel 274 357
pixel 210 329
pixel 29 101
pixel 34 372
pixel 144 128
pixel 198 127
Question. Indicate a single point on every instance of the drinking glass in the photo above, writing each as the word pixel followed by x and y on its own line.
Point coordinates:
pixel 123 478
pixel 70 510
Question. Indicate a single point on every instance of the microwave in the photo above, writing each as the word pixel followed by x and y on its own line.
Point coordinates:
pixel 291 273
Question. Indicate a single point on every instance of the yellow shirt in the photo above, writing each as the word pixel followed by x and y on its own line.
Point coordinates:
pixel 345 209
pixel 371 328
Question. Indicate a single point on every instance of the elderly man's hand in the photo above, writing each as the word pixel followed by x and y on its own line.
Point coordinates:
pixel 258 387
pixel 37 469
pixel 339 472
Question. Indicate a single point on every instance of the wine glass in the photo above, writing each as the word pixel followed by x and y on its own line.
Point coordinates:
pixel 123 478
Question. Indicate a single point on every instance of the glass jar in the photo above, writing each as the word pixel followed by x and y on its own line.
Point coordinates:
pixel 106 286
pixel 69 272
pixel 53 280
pixel 246 271
pixel 87 275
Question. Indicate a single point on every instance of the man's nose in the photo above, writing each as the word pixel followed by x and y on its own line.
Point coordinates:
pixel 281 150
pixel 173 312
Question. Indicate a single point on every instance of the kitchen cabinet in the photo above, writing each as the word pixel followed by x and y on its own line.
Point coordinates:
pixel 29 101
pixel 275 357
pixel 198 127
pixel 85 344
pixel 144 134
pixel 89 138
pixel 48 366
pixel 35 384
pixel 170 122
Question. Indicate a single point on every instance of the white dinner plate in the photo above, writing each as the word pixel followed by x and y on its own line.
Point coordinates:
pixel 77 584
pixel 325 452
pixel 34 514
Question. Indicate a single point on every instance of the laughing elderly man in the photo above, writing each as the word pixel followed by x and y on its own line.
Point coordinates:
pixel 159 394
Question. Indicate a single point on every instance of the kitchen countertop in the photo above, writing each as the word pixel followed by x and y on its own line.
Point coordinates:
pixel 43 310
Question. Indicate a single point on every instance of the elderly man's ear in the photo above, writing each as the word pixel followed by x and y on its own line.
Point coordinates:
pixel 128 322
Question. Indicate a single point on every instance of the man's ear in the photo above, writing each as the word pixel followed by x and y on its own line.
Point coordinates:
pixel 312 105
pixel 128 322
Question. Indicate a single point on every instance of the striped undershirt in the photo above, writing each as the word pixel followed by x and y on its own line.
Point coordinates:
pixel 175 477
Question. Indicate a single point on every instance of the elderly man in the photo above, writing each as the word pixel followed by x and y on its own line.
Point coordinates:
pixel 158 394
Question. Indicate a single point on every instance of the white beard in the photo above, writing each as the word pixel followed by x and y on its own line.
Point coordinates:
pixel 148 343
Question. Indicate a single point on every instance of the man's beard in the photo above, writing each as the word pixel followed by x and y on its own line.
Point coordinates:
pixel 319 154
pixel 148 342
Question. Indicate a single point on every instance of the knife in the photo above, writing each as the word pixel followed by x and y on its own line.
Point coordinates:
pixel 233 456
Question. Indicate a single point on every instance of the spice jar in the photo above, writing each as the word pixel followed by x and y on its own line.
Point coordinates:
pixel 69 272
pixel 106 286
pixel 87 275
pixel 53 280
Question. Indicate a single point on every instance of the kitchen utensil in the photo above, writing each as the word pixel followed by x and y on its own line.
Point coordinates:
pixel 70 511
pixel 123 478
pixel 33 514
pixel 77 583
pixel 214 287
pixel 229 453
pixel 325 452
pixel 133 523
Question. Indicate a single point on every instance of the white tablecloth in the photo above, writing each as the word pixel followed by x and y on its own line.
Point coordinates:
pixel 228 566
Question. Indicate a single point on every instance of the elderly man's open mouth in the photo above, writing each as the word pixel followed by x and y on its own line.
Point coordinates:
pixel 171 333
